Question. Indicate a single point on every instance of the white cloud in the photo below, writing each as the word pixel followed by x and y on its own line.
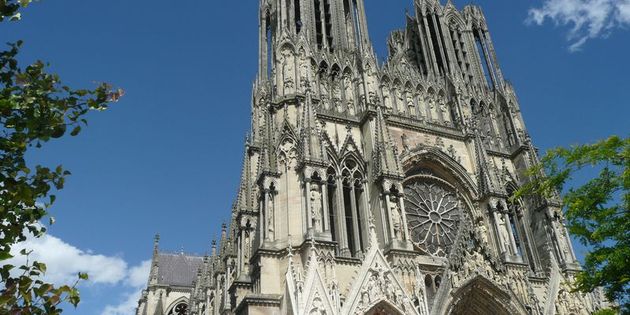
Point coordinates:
pixel 138 275
pixel 137 279
pixel 65 261
pixel 587 19
pixel 127 307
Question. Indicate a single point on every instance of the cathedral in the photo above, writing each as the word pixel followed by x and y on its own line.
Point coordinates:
pixel 374 187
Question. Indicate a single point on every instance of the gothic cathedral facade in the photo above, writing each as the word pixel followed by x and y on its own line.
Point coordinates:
pixel 379 188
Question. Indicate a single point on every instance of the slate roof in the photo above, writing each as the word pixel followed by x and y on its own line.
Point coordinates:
pixel 178 269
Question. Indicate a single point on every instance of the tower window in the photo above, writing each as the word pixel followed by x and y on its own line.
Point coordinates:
pixel 298 16
pixel 485 66
pixel 269 48
pixel 328 21
pixel 318 24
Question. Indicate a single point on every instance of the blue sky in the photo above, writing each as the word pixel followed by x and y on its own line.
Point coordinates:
pixel 166 158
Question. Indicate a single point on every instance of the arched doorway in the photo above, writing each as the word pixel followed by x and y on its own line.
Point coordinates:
pixel 383 308
pixel 480 297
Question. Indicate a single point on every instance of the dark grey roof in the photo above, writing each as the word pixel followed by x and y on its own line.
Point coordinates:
pixel 178 269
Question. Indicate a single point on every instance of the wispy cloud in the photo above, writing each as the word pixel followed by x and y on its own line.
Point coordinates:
pixel 64 261
pixel 586 19
pixel 136 280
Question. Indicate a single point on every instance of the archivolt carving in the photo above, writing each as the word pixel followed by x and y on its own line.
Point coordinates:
pixel 424 155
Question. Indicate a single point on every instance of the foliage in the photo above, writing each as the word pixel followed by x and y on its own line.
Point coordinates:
pixel 596 212
pixel 9 9
pixel 34 108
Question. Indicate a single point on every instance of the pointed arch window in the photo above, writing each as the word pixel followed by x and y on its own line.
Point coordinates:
pixel 347 206
pixel 520 231
pixel 297 16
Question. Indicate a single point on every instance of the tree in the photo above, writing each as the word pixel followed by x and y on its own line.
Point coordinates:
pixel 35 108
pixel 596 212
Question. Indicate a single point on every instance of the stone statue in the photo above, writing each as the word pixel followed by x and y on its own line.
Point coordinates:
pixel 246 248
pixel 504 233
pixel 405 142
pixel 481 232
pixel 316 207
pixel 410 104
pixel 396 219
pixel 400 101
pixel 288 71
pixel 270 214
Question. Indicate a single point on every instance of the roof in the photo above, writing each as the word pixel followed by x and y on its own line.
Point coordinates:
pixel 178 269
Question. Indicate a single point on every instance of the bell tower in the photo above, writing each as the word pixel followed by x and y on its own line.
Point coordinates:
pixel 327 25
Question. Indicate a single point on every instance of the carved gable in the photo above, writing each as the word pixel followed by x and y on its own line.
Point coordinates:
pixel 376 283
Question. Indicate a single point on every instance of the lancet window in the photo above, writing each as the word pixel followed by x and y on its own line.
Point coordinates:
pixel 347 207
pixel 297 16
pixel 520 231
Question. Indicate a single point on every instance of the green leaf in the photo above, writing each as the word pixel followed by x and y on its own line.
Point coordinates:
pixel 75 131
pixel 83 276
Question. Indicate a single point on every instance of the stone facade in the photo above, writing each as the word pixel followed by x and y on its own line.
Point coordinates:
pixel 374 188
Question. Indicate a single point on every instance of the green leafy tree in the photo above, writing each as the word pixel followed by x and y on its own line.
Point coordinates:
pixel 35 108
pixel 596 212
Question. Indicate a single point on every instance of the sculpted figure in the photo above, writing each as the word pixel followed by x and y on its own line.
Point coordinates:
pixel 482 233
pixel 316 207
pixel 270 216
pixel 246 248
pixel 399 100
pixel 405 142
pixel 288 71
pixel 396 218
pixel 504 233
pixel 410 104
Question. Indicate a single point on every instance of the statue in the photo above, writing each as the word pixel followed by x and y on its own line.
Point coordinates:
pixel 400 101
pixel 270 216
pixel 410 104
pixel 504 233
pixel 288 70
pixel 481 232
pixel 246 248
pixel 396 219
pixel 405 142
pixel 316 207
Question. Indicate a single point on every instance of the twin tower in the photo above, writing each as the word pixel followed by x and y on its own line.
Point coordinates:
pixel 379 188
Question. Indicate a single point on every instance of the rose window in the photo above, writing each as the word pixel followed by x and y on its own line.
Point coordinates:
pixel 179 309
pixel 433 214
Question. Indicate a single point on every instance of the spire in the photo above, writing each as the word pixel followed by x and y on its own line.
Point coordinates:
pixel 266 162
pixel 245 190
pixel 213 251
pixel 156 244
pixel 153 274
pixel 386 163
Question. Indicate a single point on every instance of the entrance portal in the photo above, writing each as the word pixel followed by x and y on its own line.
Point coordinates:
pixel 383 308
pixel 482 297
